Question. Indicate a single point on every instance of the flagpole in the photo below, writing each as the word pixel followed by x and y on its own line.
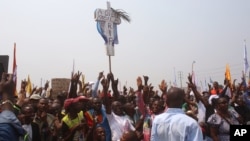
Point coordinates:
pixel 14 69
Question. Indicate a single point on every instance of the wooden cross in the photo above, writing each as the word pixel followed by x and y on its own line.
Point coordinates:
pixel 107 19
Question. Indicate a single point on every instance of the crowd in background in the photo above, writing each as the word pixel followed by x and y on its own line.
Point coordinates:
pixel 103 113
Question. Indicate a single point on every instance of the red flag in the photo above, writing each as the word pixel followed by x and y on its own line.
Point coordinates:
pixel 14 69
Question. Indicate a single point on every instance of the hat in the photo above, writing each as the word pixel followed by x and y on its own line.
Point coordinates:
pixel 80 99
pixel 68 102
pixel 35 97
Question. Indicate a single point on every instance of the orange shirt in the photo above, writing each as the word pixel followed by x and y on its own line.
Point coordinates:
pixel 214 92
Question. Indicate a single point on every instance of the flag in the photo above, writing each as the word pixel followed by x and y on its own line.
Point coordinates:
pixel 100 28
pixel 14 69
pixel 28 86
pixel 228 75
pixel 246 65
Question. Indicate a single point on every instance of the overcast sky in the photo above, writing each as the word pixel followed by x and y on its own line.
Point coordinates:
pixel 162 41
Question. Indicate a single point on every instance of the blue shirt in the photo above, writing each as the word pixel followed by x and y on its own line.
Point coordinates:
pixel 10 127
pixel 175 125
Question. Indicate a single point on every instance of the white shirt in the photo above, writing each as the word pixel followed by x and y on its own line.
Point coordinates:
pixel 119 125
pixel 28 129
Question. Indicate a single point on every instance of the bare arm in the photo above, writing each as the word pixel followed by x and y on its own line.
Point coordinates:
pixel 214 133
pixel 196 93
pixel 7 91
pixel 73 85
pixel 106 99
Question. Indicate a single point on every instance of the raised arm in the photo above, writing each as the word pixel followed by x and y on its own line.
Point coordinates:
pixel 196 93
pixel 44 89
pixel 140 102
pixel 73 85
pixel 114 85
pixel 7 91
pixel 106 100
pixel 95 89
pixel 22 93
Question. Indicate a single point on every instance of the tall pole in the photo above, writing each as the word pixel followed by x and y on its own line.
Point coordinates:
pixel 175 83
pixel 109 63
pixel 180 77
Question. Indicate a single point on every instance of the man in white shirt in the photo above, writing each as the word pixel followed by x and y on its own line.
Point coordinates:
pixel 118 122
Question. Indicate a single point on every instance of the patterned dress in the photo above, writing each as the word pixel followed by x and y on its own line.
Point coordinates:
pixel 223 125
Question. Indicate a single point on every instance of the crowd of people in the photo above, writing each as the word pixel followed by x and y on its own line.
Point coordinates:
pixel 102 113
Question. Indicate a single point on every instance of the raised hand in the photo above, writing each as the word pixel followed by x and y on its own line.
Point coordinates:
pixel 7 87
pixel 75 77
pixel 145 80
pixel 33 90
pixel 163 86
pixel 131 91
pixel 73 87
pixel 23 84
pixel 190 82
pixel 46 85
pixel 101 75
pixel 125 90
pixel 105 84
pixel 115 84
pixel 139 83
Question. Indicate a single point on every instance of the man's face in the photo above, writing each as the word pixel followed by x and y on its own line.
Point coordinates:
pixel 117 108
pixel 130 110
pixel 100 133
pixel 42 104
pixel 97 104
pixel 206 96
pixel 216 85
pixel 156 106
pixel 29 114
